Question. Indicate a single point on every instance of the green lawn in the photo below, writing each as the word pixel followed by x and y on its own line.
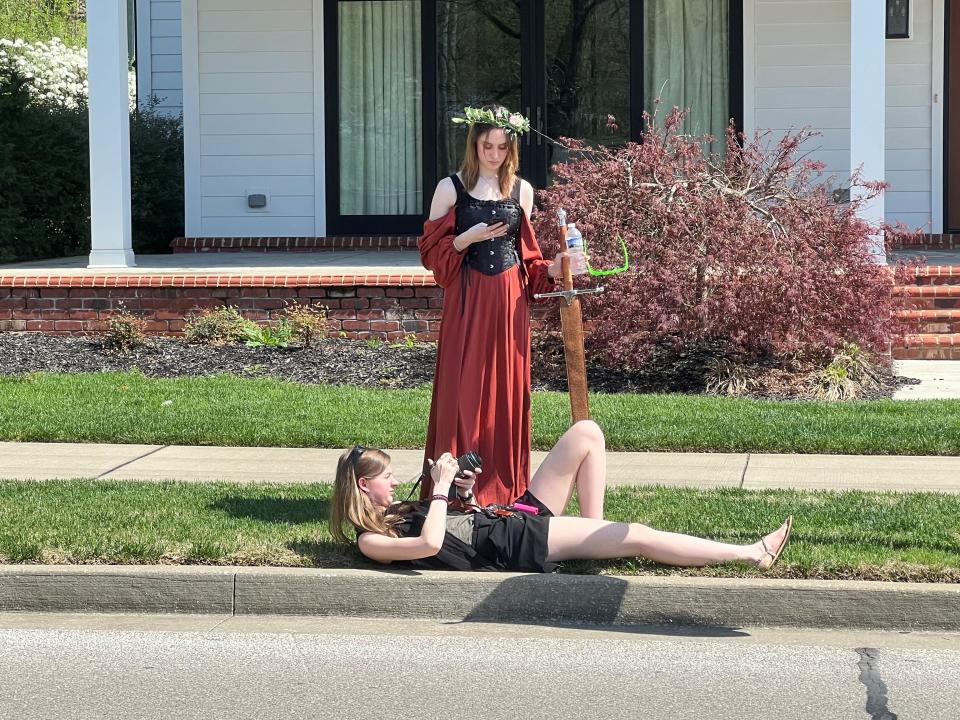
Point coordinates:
pixel 226 410
pixel 888 536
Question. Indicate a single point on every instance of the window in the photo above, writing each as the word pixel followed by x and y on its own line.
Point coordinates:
pixel 375 132
pixel 898 19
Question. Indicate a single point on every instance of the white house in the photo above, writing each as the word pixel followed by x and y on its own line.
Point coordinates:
pixel 310 118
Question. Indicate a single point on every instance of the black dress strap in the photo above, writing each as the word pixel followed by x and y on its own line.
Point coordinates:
pixel 458 186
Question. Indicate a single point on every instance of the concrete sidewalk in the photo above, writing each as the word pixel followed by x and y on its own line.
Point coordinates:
pixel 44 461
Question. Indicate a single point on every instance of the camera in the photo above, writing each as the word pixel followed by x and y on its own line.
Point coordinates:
pixel 468 461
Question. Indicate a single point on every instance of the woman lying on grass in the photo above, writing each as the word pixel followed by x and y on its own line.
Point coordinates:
pixel 436 533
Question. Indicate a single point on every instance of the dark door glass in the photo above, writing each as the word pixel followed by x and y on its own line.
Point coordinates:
pixel 478 62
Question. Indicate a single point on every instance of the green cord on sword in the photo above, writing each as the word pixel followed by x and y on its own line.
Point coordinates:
pixel 612 271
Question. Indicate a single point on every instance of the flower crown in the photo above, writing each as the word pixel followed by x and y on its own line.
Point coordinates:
pixel 513 123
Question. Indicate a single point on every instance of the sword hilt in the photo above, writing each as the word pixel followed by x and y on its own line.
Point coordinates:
pixel 569 295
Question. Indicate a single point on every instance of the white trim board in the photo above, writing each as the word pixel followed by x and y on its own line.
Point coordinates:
pixel 319 125
pixel 191 118
pixel 749 68
pixel 144 52
pixel 936 118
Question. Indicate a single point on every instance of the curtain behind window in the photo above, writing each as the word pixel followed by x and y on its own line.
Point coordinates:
pixel 687 54
pixel 380 99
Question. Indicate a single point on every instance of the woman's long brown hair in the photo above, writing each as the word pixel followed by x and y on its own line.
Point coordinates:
pixel 470 168
pixel 350 505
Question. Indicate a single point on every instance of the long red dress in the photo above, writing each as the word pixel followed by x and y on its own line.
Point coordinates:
pixel 481 391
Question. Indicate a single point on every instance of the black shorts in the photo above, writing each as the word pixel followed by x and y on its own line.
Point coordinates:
pixel 517 543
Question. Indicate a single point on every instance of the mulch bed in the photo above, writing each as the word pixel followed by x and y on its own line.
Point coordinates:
pixel 335 361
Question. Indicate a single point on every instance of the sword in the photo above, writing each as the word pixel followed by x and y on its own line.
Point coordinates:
pixel 571 321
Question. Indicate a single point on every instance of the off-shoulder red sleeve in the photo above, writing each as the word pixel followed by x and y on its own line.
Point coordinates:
pixel 534 265
pixel 436 249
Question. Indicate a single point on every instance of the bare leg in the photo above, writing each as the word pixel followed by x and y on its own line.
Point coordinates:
pixel 573 538
pixel 577 460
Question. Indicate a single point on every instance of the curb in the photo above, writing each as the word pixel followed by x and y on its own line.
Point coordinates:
pixel 482 597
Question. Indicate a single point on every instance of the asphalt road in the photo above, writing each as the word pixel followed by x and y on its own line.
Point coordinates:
pixel 132 667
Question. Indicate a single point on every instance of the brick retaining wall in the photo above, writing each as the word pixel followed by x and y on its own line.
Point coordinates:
pixel 74 305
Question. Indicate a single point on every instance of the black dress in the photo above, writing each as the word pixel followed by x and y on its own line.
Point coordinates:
pixel 517 543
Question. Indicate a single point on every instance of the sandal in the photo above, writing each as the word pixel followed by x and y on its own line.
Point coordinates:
pixel 770 557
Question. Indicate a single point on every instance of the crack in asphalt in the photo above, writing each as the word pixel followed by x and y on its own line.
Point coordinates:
pixel 869 665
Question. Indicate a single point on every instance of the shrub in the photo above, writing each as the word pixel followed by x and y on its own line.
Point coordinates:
pixel 44 159
pixel 215 326
pixel 306 321
pixel 44 173
pixel 125 332
pixel 156 178
pixel 748 248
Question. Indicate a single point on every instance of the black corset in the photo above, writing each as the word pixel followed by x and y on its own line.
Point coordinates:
pixel 492 257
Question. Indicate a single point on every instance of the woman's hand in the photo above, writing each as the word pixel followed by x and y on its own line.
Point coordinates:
pixel 478 233
pixel 442 472
pixel 465 484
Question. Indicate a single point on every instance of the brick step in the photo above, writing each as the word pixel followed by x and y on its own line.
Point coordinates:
pixel 929 346
pixel 931 242
pixel 931 320
pixel 930 297
pixel 293 244
pixel 936 275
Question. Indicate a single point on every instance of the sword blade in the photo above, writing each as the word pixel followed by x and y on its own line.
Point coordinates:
pixel 571 322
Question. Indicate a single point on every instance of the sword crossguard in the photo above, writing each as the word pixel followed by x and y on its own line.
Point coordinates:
pixel 569 295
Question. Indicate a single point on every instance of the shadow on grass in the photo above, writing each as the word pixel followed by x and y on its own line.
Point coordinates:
pixel 275 510
pixel 329 554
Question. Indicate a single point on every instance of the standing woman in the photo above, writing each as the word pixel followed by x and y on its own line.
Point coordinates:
pixel 480 245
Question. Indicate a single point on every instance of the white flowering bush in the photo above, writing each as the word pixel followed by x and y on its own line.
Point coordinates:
pixel 55 74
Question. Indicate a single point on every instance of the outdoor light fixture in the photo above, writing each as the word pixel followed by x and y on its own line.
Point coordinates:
pixel 898 19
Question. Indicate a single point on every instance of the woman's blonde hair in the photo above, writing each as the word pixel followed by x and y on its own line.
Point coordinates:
pixel 470 168
pixel 351 505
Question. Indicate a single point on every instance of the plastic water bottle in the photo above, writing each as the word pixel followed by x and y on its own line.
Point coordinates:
pixel 578 265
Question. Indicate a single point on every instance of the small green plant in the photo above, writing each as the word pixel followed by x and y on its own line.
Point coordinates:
pixel 125 331
pixel 278 335
pixel 846 376
pixel 215 326
pixel 373 342
pixel 306 321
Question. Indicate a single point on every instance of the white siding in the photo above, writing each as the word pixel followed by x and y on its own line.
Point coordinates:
pixel 801 66
pixel 257 124
pixel 909 111
pixel 166 65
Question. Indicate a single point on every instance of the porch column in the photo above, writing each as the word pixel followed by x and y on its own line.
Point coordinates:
pixel 111 236
pixel 868 102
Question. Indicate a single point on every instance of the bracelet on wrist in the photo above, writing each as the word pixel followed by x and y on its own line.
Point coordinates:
pixel 438 496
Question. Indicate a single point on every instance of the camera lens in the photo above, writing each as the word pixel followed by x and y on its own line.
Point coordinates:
pixel 469 461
